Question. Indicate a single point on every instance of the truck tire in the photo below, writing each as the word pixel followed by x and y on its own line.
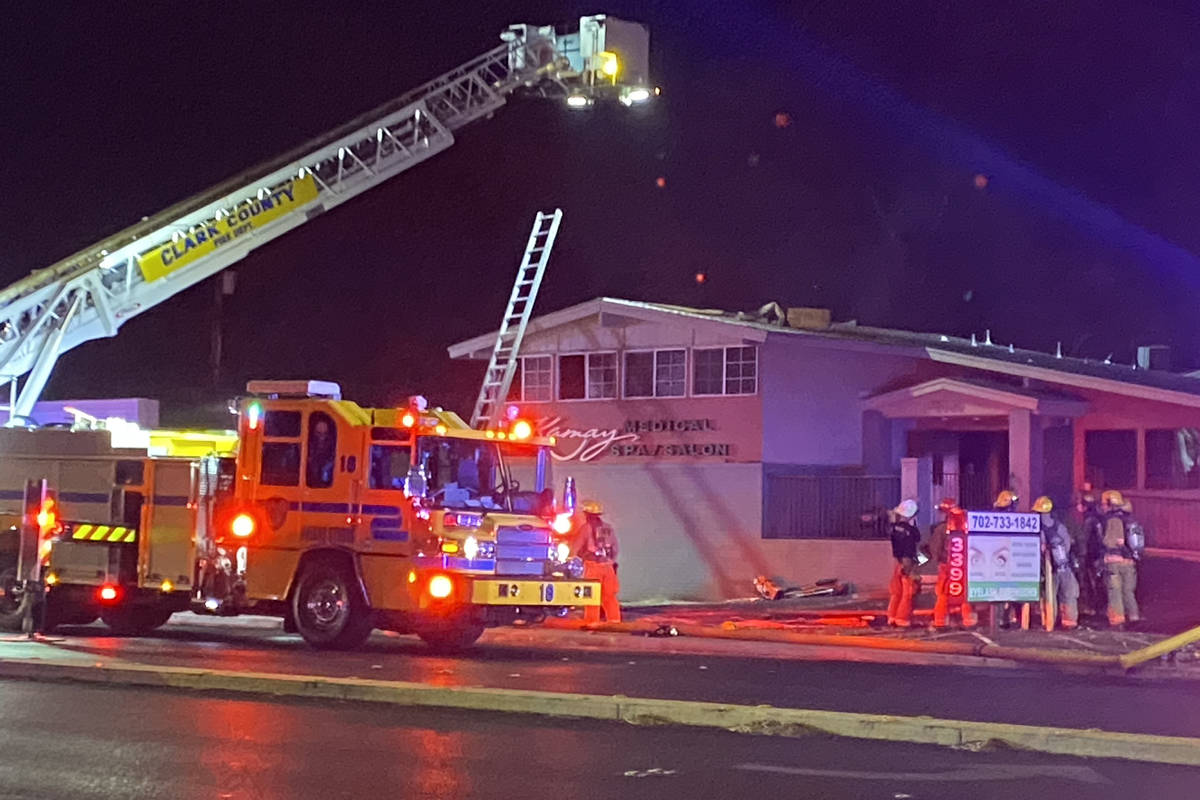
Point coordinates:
pixel 329 608
pixel 135 620
pixel 450 635
pixel 12 602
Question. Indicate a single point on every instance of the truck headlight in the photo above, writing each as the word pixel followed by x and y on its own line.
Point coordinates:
pixel 562 552
pixel 471 548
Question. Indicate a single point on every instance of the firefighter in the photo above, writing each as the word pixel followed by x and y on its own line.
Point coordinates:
pixel 1123 543
pixel 1006 501
pixel 936 549
pixel 1090 550
pixel 905 581
pixel 596 543
pixel 1057 542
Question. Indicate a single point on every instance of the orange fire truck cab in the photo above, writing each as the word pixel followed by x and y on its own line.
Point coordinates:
pixel 343 518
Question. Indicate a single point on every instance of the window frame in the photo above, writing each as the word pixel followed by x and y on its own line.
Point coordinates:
pixel 384 446
pixel 587 380
pixel 551 387
pixel 695 361
pixel 270 439
pixel 1151 479
pixel 724 349
pixel 587 374
pixel 310 423
pixel 686 365
pixel 625 373
pixel 725 370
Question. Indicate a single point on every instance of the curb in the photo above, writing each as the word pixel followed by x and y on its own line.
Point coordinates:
pixel 762 720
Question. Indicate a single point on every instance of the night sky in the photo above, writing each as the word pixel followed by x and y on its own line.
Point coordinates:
pixel 1029 168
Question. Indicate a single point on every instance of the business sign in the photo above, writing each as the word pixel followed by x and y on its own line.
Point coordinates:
pixel 956 564
pixel 1004 557
pixel 229 226
pixel 628 441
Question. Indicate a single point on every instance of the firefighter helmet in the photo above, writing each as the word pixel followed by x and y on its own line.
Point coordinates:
pixel 1006 499
pixel 907 509
pixel 591 507
pixel 946 504
pixel 1043 505
pixel 1113 499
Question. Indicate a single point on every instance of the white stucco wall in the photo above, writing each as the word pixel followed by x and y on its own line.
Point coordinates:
pixel 693 532
pixel 811 396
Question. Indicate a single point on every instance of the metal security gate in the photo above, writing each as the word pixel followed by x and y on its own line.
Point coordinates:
pixel 828 506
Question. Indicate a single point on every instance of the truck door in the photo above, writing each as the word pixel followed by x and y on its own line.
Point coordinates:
pixel 167 541
pixel 269 466
pixel 389 457
pixel 386 518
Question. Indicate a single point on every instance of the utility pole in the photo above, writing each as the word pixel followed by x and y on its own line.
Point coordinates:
pixel 223 287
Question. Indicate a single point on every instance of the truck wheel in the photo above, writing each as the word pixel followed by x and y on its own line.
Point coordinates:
pixel 329 608
pixel 135 620
pixel 450 635
pixel 12 601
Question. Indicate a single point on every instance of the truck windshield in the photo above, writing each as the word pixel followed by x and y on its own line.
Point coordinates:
pixel 469 474
pixel 462 473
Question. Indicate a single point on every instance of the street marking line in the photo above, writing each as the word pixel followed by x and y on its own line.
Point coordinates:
pixel 971 773
pixel 762 720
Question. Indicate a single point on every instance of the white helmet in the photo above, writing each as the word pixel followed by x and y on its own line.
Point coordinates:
pixel 907 509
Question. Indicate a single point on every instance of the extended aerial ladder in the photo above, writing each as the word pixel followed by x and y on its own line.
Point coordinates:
pixel 503 364
pixel 91 293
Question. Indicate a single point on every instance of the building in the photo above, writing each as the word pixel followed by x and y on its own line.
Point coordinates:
pixel 729 445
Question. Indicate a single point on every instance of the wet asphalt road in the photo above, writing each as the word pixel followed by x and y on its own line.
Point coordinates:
pixel 572 662
pixel 86 743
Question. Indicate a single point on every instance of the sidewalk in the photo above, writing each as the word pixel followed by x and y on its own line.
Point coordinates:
pixel 865 616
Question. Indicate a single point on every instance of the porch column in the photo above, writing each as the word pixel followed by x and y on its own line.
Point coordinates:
pixel 1025 456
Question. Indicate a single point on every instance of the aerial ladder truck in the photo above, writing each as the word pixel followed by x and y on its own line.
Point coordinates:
pixel 336 517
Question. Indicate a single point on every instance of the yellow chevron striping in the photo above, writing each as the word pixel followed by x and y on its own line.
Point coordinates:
pixel 82 531
pixel 101 532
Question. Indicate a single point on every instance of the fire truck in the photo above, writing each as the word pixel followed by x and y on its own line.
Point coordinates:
pixel 338 518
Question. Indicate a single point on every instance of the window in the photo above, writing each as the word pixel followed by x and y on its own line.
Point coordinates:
pixel 639 374
pixel 708 371
pixel 462 473
pixel 1111 459
pixel 535 383
pixel 1171 458
pixel 322 450
pixel 389 466
pixel 601 376
pixel 284 424
pixel 725 370
pixel 572 378
pixel 280 464
pixel 741 370
pixel 670 373
pixel 661 373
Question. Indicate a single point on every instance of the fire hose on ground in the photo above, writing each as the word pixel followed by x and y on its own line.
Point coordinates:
pixel 981 649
